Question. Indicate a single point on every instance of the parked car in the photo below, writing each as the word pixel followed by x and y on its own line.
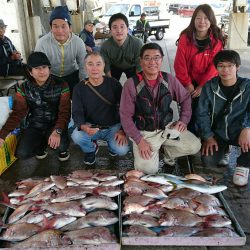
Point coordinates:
pixel 173 8
pixel 186 10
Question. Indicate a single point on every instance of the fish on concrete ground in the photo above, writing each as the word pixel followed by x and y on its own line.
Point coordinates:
pixel 60 181
pixel 82 174
pixel 138 231
pixel 93 219
pixel 93 202
pixel 135 188
pixel 180 218
pixel 140 219
pixel 47 238
pixel 109 191
pixel 216 232
pixel 91 236
pixel 82 182
pixel 179 231
pixel 71 208
pixel 20 231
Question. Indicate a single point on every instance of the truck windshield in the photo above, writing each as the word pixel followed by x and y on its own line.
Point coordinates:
pixel 117 8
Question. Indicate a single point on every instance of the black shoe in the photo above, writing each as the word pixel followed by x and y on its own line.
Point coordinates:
pixel 112 154
pixel 41 155
pixel 64 156
pixel 89 158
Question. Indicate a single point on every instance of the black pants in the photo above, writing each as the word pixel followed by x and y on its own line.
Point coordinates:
pixel 72 80
pixel 33 141
pixel 117 72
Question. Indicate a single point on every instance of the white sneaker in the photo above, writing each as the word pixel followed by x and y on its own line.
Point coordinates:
pixel 168 161
pixel 225 160
pixel 240 177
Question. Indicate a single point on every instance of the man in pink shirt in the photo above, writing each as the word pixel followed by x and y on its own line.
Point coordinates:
pixel 147 117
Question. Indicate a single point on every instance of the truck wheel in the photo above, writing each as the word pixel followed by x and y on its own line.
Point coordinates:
pixel 159 35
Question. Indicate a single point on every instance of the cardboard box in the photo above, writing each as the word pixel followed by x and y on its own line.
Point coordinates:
pixel 7 152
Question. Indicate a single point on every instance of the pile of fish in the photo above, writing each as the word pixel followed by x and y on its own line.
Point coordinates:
pixel 79 209
pixel 168 205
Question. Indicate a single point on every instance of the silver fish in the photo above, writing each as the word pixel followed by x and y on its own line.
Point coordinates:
pixel 84 182
pixel 58 221
pixel 35 217
pixel 104 177
pixel 41 187
pixel 97 218
pixel 19 192
pixel 19 213
pixel 93 202
pixel 138 231
pixel 140 219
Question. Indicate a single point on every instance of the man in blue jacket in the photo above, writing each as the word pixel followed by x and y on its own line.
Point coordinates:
pixel 224 115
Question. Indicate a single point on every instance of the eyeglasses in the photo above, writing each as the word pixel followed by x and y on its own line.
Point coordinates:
pixel 153 58
pixel 229 67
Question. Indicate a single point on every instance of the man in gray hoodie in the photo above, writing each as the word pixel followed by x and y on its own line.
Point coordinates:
pixel 65 50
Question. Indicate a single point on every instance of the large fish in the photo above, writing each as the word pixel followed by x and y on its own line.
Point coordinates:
pixel 82 174
pixel 134 173
pixel 114 182
pixel 208 200
pixel 109 191
pixel 93 202
pixel 179 218
pixel 216 220
pixel 139 199
pixel 91 236
pixel 216 232
pixel 131 208
pixel 203 210
pixel 35 217
pixel 41 187
pixel 60 181
pixel 97 218
pixel 183 182
pixel 83 182
pixel 72 208
pixel 104 177
pixel 20 231
pixel 19 213
pixel 179 231
pixel 155 211
pixel 184 193
pixel 19 192
pixel 138 231
pixel 58 221
pixel 49 238
pixel 28 183
pixel 71 193
pixel 140 219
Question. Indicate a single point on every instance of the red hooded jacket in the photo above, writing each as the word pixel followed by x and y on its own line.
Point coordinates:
pixel 191 65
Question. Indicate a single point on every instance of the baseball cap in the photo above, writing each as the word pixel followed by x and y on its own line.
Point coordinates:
pixel 2 24
pixel 60 12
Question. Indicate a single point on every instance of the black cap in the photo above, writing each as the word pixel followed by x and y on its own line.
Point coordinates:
pixel 60 12
pixel 37 59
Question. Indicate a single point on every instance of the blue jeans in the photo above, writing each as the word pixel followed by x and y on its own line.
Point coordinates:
pixel 86 144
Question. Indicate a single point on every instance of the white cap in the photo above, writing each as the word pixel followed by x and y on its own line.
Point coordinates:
pixel 99 25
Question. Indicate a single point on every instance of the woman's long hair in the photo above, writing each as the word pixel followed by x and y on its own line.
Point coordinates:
pixel 207 10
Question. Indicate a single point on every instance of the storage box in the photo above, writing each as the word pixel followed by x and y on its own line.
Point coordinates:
pixel 7 152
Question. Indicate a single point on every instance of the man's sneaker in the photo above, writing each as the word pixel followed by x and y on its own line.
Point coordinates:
pixel 168 161
pixel 225 160
pixel 112 153
pixel 41 155
pixel 240 177
pixel 89 158
pixel 64 156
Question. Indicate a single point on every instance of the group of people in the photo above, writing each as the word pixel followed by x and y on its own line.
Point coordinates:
pixel 213 100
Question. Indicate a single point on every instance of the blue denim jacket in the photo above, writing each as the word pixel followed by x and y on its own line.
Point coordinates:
pixel 212 100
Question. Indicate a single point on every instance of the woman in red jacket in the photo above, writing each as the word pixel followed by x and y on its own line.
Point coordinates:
pixel 197 46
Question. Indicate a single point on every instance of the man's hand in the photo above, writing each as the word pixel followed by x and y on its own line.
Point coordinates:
pixel 196 92
pixel 87 129
pixel 190 88
pixel 121 138
pixel 15 56
pixel 208 146
pixel 179 125
pixel 54 140
pixel 244 140
pixel 145 149
pixel 1 142
pixel 89 49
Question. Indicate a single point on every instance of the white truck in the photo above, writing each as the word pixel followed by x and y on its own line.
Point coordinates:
pixel 133 12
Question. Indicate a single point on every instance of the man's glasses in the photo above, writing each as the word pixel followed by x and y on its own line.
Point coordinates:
pixel 229 67
pixel 153 58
